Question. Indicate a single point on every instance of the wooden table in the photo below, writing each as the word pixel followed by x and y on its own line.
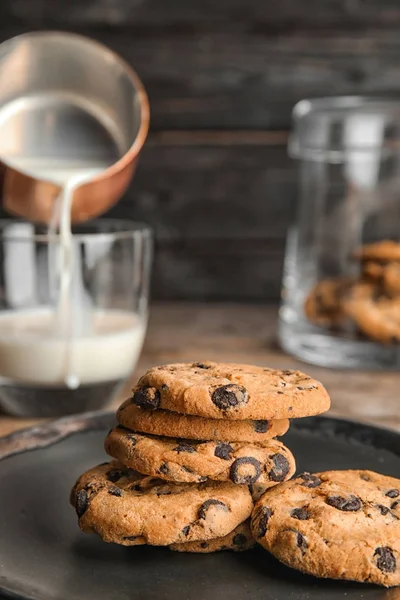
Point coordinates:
pixel 246 333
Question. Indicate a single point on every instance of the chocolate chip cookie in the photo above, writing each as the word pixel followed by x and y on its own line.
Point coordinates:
pixel 375 315
pixel 337 524
pixel 232 391
pixel 372 271
pixel 238 540
pixel 323 305
pixel 383 251
pixel 384 273
pixel 391 280
pixel 165 422
pixel 188 461
pixel 126 508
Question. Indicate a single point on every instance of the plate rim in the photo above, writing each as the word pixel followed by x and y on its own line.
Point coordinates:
pixel 52 432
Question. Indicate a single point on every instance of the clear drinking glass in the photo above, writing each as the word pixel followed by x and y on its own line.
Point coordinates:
pixel 60 355
pixel 341 300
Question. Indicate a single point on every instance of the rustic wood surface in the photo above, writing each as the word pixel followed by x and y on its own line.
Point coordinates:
pixel 246 333
pixel 214 180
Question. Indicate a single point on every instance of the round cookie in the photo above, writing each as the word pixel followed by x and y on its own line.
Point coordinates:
pixel 238 540
pixel 187 461
pixel 376 316
pixel 129 509
pixel 323 305
pixel 337 524
pixel 232 391
pixel 165 422
pixel 386 250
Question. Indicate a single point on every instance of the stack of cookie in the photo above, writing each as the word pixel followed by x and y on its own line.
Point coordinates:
pixel 369 303
pixel 194 449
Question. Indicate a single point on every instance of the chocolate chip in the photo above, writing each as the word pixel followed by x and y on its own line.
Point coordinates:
pixel 114 475
pixel 223 451
pixel 131 438
pixel 136 488
pixel 147 397
pixel 130 538
pixel 384 510
pixel 246 479
pixel 202 514
pixel 280 469
pixel 302 514
pixel 185 448
pixel 301 542
pixel 204 545
pixel 163 469
pixel 187 470
pixel 365 477
pixel 310 481
pixel 200 366
pixel 186 530
pixel 261 426
pixel 350 504
pixel 301 388
pixel 393 493
pixel 394 505
pixel 81 502
pixel 239 539
pixel 229 396
pixel 163 492
pixel 263 516
pixel 385 560
pixel 115 491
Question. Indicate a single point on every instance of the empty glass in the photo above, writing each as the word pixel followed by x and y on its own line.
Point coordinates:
pixel 341 295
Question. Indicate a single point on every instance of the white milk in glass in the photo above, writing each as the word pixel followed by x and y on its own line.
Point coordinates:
pixel 73 344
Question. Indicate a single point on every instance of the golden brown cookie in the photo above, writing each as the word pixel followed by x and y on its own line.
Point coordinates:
pixel 337 524
pixel 167 423
pixel 387 276
pixel 391 280
pixel 238 540
pixel 372 271
pixel 126 508
pixel 231 391
pixel 186 461
pixel 376 316
pixel 386 250
pixel 323 305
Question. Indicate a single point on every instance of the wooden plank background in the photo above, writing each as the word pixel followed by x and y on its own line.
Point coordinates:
pixel 222 75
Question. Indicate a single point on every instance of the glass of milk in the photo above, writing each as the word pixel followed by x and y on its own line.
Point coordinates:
pixel 72 316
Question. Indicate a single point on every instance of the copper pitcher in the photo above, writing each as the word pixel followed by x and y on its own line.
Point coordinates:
pixel 67 99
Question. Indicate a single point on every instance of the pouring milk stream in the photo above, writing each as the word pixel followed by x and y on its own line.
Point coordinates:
pixel 75 343
pixel 69 109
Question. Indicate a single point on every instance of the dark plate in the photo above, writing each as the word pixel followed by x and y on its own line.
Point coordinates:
pixel 44 556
